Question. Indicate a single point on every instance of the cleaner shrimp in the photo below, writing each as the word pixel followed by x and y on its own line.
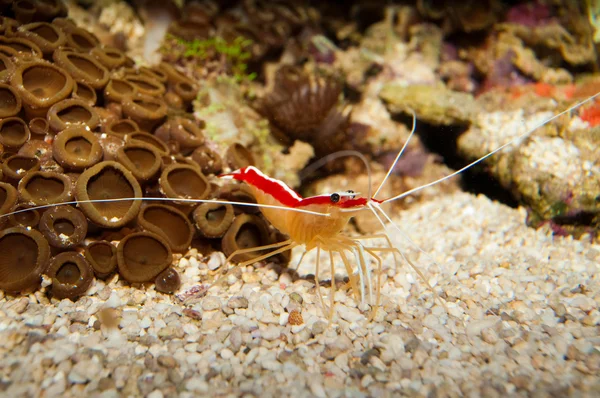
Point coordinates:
pixel 317 222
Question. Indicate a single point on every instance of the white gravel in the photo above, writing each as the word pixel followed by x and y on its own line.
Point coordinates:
pixel 523 319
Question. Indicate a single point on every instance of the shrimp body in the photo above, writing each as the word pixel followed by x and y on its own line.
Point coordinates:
pixel 302 228
pixel 320 228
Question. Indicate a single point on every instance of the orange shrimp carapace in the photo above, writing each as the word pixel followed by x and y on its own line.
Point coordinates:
pixel 318 224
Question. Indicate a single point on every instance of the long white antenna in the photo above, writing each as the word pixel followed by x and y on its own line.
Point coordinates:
pixel 481 159
pixel 311 168
pixel 398 156
pixel 181 200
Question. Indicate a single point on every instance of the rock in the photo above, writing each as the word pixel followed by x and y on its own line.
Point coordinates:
pixel 237 302
pixel 211 303
pixel 432 104
pixel 167 361
pixel 84 371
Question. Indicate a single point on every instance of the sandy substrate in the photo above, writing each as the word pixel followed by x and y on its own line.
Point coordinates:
pixel 523 318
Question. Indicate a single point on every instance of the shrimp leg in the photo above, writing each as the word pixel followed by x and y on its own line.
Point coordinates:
pixel 378 293
pixel 258 248
pixel 272 253
pixel 332 294
pixel 351 276
pixel 380 236
pixel 417 270
pixel 317 285
pixel 286 245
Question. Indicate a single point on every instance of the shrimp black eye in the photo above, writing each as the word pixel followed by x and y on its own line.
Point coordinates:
pixel 335 197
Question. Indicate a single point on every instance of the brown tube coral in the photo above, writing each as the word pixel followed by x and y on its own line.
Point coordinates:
pixel 110 57
pixel 24 256
pixel 117 89
pixel 71 275
pixel 149 139
pixel 179 83
pixel 63 226
pixel 210 161
pixel 41 85
pixel 71 112
pixel 169 223
pixel 82 67
pixel 142 256
pixel 28 219
pixel 110 144
pixel 246 231
pixel 102 256
pixel 14 132
pixel 38 149
pixel 141 159
pixel 10 101
pixel 23 47
pixel 146 85
pixel 7 68
pixel 24 10
pixel 154 73
pixel 187 133
pixel 16 166
pixel 42 10
pixel 121 127
pixel 39 127
pixel 46 36
pixel 186 91
pixel 76 148
pixel 184 181
pixel 173 100
pixel 38 188
pixel 85 92
pixel 8 200
pixel 108 180
pixel 239 193
pixel 213 219
pixel 8 26
pixel 146 111
pixel 79 39
pixel 238 156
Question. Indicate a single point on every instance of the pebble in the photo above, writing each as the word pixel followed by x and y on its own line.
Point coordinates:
pixel 167 361
pixel 235 337
pixel 318 327
pixel 20 305
pixel 84 371
pixel 34 321
pixel 215 260
pixel 226 354
pixel 114 301
pixel 211 303
pixel 349 314
pixel 196 384
pixel 237 302
pixel 155 394
pixel 271 332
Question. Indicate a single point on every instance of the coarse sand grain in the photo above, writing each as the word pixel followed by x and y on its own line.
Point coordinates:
pixel 523 319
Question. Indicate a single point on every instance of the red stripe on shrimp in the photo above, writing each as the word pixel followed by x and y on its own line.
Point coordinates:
pixel 326 200
pixel 279 190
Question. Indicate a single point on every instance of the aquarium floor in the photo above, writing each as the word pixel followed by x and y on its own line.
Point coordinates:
pixel 522 317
